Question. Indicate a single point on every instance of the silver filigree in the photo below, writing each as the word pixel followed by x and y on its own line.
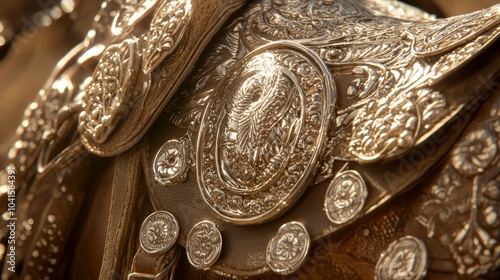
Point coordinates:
pixel 349 37
pixel 387 127
pixel 159 232
pixel 165 32
pixel 173 162
pixel 262 132
pixel 287 251
pixel 405 258
pixel 345 197
pixel 106 98
pixel 130 12
pixel 203 245
pixel 438 36
pixel 396 9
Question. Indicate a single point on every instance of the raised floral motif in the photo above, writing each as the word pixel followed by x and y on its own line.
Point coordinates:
pixel 261 131
pixel 467 193
pixel 159 232
pixel 165 32
pixel 106 98
pixel 388 126
pixel 204 245
pixel 173 161
pixel 405 258
pixel 475 152
pixel 287 251
pixel 345 197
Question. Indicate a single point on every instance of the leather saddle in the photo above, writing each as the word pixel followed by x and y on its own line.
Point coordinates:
pixel 216 139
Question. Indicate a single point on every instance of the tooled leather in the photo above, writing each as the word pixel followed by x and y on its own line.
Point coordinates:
pixel 206 19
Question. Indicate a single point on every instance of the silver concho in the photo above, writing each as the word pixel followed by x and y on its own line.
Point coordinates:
pixel 263 131
pixel 173 162
pixel 405 258
pixel 204 245
pixel 106 98
pixel 130 12
pixel 287 251
pixel 345 197
pixel 165 32
pixel 159 232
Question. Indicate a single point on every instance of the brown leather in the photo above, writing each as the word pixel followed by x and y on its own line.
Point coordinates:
pixel 129 205
pixel 149 266
pixel 207 18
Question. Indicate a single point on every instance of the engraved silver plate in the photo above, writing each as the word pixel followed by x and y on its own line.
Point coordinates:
pixel 287 251
pixel 173 162
pixel 106 98
pixel 436 37
pixel 159 232
pixel 263 131
pixel 345 197
pixel 405 258
pixel 130 12
pixel 165 32
pixel 204 245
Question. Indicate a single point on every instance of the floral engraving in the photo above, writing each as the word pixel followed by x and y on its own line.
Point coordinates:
pixel 173 162
pixel 159 232
pixel 106 98
pixel 345 197
pixel 165 32
pixel 475 152
pixel 204 245
pixel 432 38
pixel 390 125
pixel 405 258
pixel 467 193
pixel 261 133
pixel 287 251
pixel 129 13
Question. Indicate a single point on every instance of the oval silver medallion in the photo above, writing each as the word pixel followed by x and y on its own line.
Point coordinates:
pixel 262 132
pixel 106 98
pixel 159 232
pixel 167 28
pixel 345 197
pixel 287 251
pixel 405 258
pixel 204 245
pixel 173 162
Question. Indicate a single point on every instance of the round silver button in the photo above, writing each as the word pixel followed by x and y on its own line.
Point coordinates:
pixel 204 245
pixel 159 232
pixel 345 197
pixel 405 258
pixel 287 251
pixel 172 162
